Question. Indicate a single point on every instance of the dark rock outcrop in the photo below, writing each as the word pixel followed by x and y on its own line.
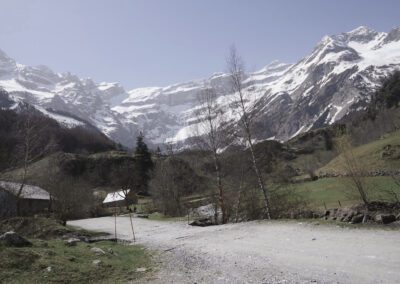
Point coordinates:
pixel 12 239
pixel 202 222
pixel 385 218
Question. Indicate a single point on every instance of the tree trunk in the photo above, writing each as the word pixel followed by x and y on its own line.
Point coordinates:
pixel 261 183
pixel 19 193
pixel 256 168
pixel 239 195
pixel 220 188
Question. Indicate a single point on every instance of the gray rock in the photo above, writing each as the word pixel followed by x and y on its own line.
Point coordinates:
pixel 349 217
pixel 97 251
pixel 395 224
pixel 97 262
pixel 357 219
pixel 141 269
pixel 12 239
pixel 146 216
pixel 71 242
pixel 385 218
pixel 202 222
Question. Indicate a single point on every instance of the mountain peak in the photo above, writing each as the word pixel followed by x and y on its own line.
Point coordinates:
pixel 3 55
pixel 273 65
pixel 393 35
pixel 361 34
pixel 325 40
pixel 361 30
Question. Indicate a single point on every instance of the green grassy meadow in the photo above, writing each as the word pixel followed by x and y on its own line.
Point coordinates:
pixel 53 262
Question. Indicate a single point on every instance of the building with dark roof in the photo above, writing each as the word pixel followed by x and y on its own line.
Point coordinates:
pixel 33 199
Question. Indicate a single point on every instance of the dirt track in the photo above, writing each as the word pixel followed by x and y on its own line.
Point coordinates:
pixel 263 252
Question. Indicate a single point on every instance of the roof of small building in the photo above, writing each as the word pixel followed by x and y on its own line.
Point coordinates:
pixel 116 196
pixel 28 191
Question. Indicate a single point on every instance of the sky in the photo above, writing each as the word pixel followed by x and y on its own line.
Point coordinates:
pixel 160 42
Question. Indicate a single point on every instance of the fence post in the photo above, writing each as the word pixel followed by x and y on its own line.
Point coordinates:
pixel 325 206
pixel 340 205
pixel 115 224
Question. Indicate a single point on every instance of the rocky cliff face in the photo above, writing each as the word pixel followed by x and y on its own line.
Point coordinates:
pixel 337 77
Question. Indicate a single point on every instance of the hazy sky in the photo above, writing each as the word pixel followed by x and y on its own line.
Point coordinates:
pixel 156 43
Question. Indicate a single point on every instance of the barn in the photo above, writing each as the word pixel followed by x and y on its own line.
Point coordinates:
pixel 33 199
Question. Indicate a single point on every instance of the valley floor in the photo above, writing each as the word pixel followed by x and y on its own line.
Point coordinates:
pixel 262 251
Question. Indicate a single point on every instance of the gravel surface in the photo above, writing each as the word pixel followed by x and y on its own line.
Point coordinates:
pixel 262 251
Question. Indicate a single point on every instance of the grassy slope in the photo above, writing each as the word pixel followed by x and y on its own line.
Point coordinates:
pixel 41 228
pixel 71 264
pixel 332 190
pixel 68 264
pixel 370 155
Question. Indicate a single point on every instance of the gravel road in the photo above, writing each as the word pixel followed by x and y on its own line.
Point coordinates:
pixel 262 251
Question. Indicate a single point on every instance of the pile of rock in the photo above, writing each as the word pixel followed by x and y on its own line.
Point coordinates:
pixel 375 212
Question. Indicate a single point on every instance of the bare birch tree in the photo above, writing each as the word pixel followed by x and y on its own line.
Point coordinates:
pixel 245 110
pixel 353 168
pixel 126 176
pixel 173 179
pixel 212 137
pixel 34 145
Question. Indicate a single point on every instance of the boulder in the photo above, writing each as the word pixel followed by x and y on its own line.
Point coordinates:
pixel 306 214
pixel 348 218
pixel 146 216
pixel 97 262
pixel 344 214
pixel 12 239
pixel 395 224
pixel 316 215
pixel 71 242
pixel 357 219
pixel 385 218
pixel 202 222
pixel 97 251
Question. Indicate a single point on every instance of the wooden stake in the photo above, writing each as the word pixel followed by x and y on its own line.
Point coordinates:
pixel 115 224
pixel 133 232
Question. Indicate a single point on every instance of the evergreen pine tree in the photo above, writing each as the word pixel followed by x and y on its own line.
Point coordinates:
pixel 144 163
pixel 158 152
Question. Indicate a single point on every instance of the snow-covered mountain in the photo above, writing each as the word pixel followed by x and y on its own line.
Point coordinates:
pixel 338 76
pixel 83 98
